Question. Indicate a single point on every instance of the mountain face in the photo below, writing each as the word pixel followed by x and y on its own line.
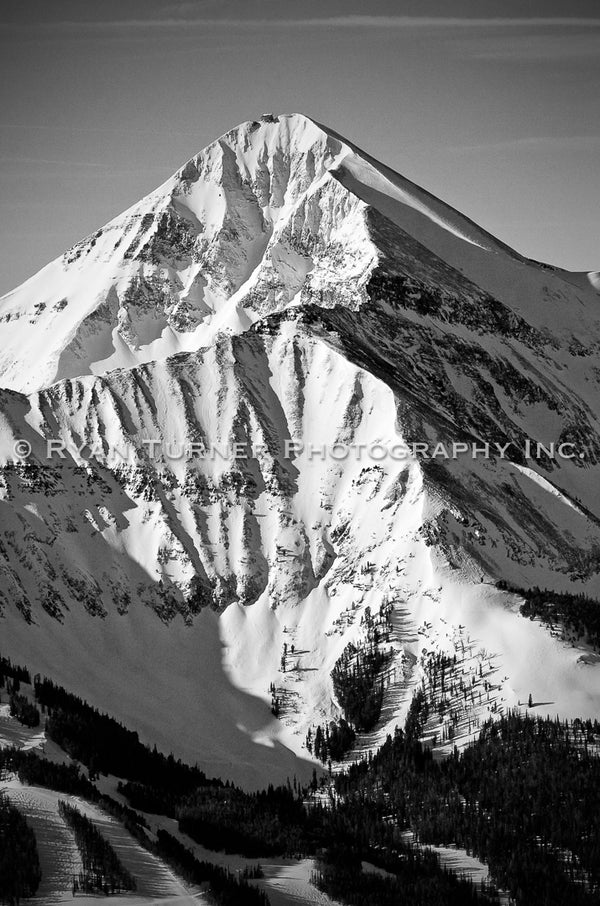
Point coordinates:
pixel 286 293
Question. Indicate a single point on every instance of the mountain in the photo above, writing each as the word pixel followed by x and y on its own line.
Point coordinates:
pixel 285 291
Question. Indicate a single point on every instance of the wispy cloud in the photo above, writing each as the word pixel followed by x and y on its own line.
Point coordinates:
pixel 327 22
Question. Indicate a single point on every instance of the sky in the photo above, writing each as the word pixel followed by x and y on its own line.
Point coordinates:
pixel 492 106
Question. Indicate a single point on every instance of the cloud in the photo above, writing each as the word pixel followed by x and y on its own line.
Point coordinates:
pixel 437 22
pixel 326 22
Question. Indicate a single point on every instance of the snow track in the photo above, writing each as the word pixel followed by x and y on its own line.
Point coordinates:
pixel 60 861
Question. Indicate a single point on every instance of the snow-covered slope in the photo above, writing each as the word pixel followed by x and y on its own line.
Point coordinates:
pixel 284 290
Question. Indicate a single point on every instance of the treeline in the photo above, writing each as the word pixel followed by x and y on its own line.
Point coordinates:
pixel 157 800
pixel 13 671
pixel 102 871
pixel 540 794
pixel 358 684
pixel 105 746
pixel 225 888
pixel 33 770
pixel 22 709
pixel 577 614
pixel 273 822
pixel 20 872
pixel 282 822
pixel 416 719
pixel 228 819
pixel 36 771
pixel 524 798
pixel 332 742
pixel 340 875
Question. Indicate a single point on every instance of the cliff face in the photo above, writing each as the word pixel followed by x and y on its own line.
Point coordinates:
pixel 286 293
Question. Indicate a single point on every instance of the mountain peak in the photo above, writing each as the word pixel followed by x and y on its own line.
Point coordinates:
pixel 171 272
pixel 313 296
pixel 278 211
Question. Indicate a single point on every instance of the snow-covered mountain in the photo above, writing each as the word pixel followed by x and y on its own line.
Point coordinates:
pixel 283 290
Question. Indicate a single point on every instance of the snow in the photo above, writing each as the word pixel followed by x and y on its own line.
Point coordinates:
pixel 13 733
pixel 181 699
pixel 137 335
pixel 232 205
pixel 461 863
pixel 594 279
pixel 374 184
pixel 286 881
pixel 59 859
pixel 288 884
pixel 547 486
pixel 209 698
